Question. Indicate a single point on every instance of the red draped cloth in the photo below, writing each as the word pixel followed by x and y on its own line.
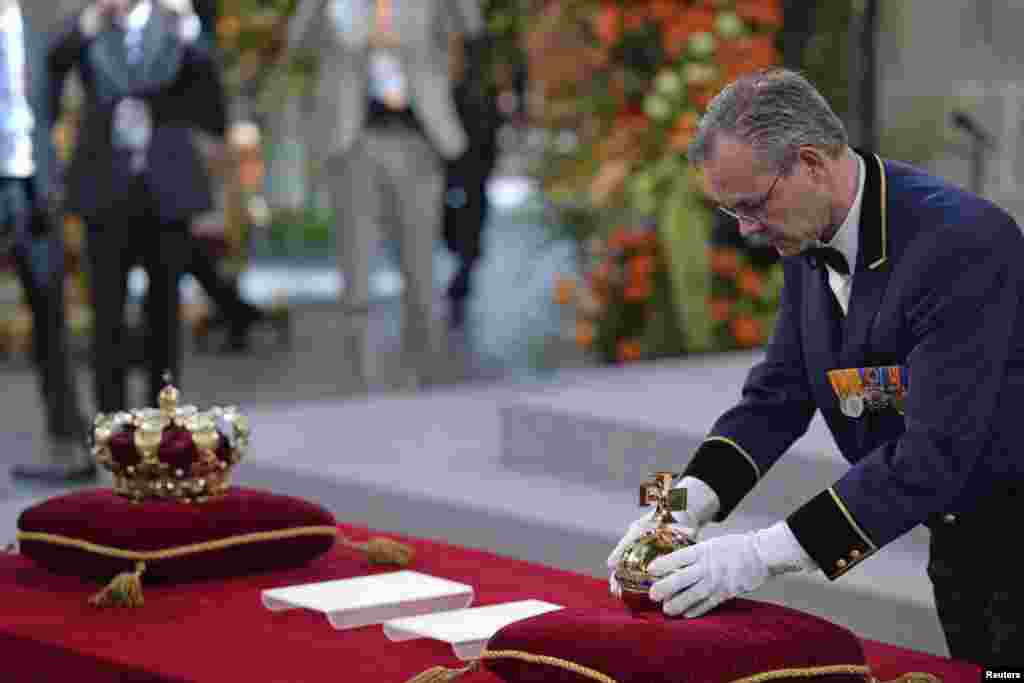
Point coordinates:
pixel 220 631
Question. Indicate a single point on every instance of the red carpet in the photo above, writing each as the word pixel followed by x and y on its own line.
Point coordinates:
pixel 219 631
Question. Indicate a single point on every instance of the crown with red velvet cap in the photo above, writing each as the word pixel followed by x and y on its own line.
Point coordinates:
pixel 174 452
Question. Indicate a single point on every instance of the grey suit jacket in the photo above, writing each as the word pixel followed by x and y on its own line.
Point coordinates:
pixel 338 31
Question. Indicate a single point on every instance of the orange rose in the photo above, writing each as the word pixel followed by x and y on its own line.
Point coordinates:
pixel 719 309
pixel 683 130
pixel 637 291
pixel 724 261
pixel 750 283
pixel 634 19
pixel 663 10
pixel 746 331
pixel 628 350
pixel 608 24
pixel 564 287
pixel 584 333
pixel 641 266
pixel 766 13
pixel 674 37
pixel 699 19
pixel 619 239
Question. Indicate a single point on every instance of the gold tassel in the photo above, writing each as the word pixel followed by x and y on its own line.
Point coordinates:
pixel 124 590
pixel 916 677
pixel 382 550
pixel 440 674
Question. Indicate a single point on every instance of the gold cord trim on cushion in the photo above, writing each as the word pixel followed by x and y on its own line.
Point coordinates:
pixel 178 551
pixel 440 674
pixel 586 672
pixel 378 550
pixel 809 672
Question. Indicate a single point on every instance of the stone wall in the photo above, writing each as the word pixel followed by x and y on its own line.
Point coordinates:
pixel 937 57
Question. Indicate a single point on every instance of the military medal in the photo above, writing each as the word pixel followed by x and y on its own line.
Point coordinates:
pixel 852 406
pixel 897 380
pixel 849 388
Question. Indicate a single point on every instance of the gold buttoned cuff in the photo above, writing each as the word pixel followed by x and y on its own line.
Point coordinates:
pixel 829 533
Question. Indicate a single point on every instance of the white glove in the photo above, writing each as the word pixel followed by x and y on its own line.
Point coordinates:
pixel 701 507
pixel 703 576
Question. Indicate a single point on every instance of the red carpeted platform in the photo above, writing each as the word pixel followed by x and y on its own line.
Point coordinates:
pixel 219 631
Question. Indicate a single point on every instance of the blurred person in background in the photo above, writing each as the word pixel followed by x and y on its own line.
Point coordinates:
pixel 31 234
pixel 136 178
pixel 386 120
pixel 466 204
pixel 232 312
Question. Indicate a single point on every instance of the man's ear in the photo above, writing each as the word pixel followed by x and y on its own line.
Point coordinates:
pixel 814 159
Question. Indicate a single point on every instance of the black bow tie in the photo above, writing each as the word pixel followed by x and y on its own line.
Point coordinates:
pixel 830 256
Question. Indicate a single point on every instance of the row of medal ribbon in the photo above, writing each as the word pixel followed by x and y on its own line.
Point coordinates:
pixel 875 388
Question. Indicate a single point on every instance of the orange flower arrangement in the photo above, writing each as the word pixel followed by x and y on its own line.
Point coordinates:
pixel 747 331
pixel 744 296
pixel 621 287
pixel 630 79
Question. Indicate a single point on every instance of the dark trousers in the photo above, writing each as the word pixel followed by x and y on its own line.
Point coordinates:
pixel 224 293
pixel 977 583
pixel 39 263
pixel 466 208
pixel 135 236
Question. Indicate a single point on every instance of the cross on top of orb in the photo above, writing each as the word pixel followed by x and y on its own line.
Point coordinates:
pixel 658 491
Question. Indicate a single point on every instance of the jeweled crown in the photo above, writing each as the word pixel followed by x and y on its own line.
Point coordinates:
pixel 174 452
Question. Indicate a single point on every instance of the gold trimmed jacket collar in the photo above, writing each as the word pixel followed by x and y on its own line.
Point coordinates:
pixel 872 245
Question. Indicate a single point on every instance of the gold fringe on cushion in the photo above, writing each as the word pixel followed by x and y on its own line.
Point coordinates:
pixel 916 677
pixel 124 590
pixel 381 550
pixel 440 674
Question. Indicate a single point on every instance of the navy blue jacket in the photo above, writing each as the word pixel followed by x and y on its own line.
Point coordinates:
pixel 938 288
pixel 182 85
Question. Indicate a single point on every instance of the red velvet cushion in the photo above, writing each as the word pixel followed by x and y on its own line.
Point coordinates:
pixel 738 640
pixel 291 532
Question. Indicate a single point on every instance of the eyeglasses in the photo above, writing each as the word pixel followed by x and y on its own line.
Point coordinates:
pixel 752 213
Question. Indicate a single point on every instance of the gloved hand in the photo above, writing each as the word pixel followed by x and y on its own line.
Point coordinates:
pixel 703 576
pixel 701 508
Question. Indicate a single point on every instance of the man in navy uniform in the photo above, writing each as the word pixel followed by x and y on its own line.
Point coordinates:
pixel 31 235
pixel 885 267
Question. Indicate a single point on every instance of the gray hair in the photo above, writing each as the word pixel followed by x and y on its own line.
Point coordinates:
pixel 775 111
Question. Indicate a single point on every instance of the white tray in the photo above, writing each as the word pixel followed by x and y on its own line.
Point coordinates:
pixel 365 600
pixel 466 630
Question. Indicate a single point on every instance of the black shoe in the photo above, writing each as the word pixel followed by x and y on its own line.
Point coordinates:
pixel 80 471
pixel 239 327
